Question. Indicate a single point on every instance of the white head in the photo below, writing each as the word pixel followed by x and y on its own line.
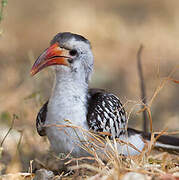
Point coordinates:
pixel 69 54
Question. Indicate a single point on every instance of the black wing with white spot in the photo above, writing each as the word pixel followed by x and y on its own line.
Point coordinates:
pixel 40 120
pixel 106 113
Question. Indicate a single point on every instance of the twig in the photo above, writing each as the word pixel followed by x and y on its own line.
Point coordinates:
pixel 20 139
pixel 12 124
pixel 142 87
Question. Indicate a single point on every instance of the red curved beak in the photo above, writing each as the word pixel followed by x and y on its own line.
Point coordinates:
pixel 54 55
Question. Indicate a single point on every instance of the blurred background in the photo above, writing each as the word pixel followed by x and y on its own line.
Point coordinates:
pixel 115 29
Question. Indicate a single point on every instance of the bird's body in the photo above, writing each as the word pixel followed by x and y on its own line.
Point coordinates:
pixel 73 102
pixel 65 139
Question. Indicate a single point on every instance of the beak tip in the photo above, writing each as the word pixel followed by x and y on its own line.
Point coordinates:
pixel 32 72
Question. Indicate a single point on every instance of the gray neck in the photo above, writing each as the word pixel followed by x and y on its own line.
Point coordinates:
pixel 68 100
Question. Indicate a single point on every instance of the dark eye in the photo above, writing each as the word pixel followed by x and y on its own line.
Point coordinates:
pixel 73 52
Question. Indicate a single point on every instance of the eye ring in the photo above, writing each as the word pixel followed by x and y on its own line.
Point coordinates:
pixel 73 52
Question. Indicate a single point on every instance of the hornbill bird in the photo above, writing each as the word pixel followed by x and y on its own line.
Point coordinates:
pixel 92 109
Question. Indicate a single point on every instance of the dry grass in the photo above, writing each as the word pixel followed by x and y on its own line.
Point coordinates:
pixel 110 165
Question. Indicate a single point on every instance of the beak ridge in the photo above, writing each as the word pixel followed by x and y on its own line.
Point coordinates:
pixel 54 55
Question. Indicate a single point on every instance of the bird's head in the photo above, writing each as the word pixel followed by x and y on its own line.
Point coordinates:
pixel 67 52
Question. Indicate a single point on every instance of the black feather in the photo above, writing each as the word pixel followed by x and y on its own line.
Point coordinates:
pixel 105 113
pixel 61 38
pixel 40 120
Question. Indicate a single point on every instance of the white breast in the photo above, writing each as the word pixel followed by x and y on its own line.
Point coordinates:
pixel 68 102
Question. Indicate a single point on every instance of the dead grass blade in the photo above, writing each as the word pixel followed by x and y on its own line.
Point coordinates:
pixel 163 83
pixel 11 127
